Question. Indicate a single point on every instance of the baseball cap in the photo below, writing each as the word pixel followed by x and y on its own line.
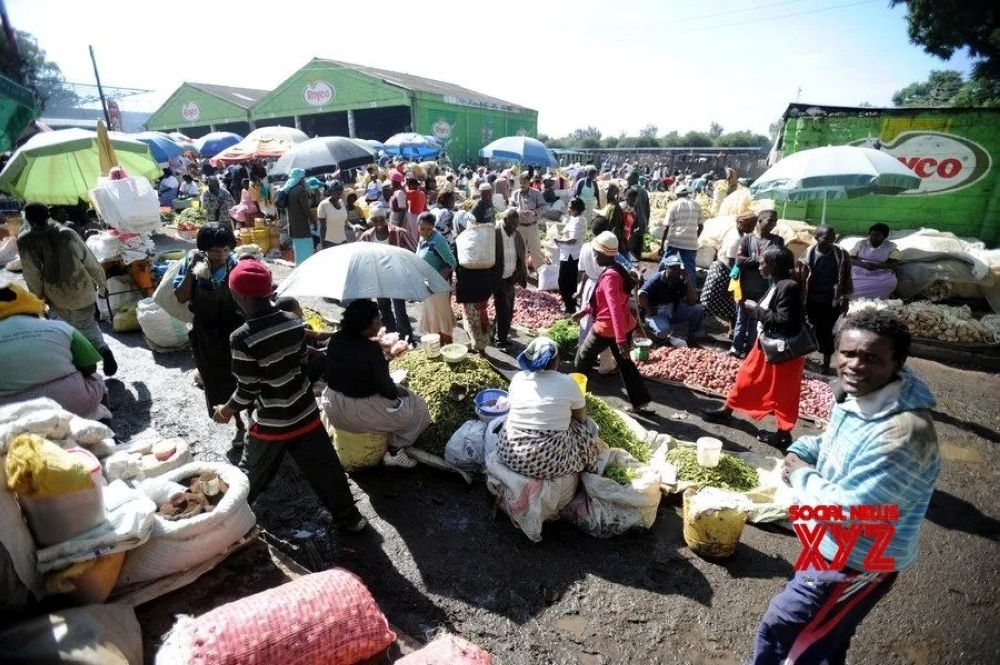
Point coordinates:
pixel 672 260
pixel 251 279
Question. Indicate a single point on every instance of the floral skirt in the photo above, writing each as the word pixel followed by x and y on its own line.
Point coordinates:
pixel 548 454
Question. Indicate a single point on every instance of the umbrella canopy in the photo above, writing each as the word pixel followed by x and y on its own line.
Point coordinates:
pixel 412 146
pixel 364 270
pixel 263 142
pixel 213 143
pixel 161 146
pixel 522 149
pixel 180 138
pixel 325 154
pixel 371 144
pixel 61 167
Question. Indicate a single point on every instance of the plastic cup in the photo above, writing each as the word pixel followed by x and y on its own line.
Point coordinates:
pixel 432 344
pixel 581 380
pixel 709 451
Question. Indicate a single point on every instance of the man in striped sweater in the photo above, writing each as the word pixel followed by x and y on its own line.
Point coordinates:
pixel 270 356
pixel 880 449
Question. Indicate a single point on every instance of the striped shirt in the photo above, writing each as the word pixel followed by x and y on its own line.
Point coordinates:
pixel 879 449
pixel 269 363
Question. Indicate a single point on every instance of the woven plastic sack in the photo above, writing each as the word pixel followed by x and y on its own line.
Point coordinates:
pixel 126 319
pixel 530 502
pixel 326 618
pixel 477 246
pixel 182 545
pixel 604 509
pixel 162 332
pixel 165 298
pixel 448 649
pixel 548 277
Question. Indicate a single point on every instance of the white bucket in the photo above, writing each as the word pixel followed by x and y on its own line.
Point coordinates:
pixel 709 451
pixel 431 344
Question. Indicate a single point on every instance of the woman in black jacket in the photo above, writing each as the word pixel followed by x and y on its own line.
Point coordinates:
pixel 763 388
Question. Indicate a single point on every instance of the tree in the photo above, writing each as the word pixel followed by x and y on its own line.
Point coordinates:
pixel 943 27
pixel 939 89
pixel 611 142
pixel 29 67
pixel 671 140
pixel 556 144
pixel 742 139
pixel 648 132
pixel 589 143
pixel 866 105
pixel 588 133
pixel 715 130
pixel 696 140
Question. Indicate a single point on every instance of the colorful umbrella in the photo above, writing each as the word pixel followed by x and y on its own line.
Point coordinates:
pixel 523 149
pixel 412 146
pixel 263 142
pixel 834 172
pixel 213 143
pixel 325 154
pixel 161 146
pixel 60 168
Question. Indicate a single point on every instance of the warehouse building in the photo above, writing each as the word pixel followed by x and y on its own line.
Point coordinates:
pixel 195 109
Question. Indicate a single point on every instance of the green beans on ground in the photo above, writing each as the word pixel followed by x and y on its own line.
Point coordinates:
pixel 732 473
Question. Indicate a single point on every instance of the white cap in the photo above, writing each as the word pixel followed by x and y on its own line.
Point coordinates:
pixel 605 243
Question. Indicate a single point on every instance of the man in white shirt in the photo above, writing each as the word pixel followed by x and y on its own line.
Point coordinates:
pixel 529 203
pixel 680 236
pixel 189 188
pixel 332 216
pixel 512 273
pixel 569 255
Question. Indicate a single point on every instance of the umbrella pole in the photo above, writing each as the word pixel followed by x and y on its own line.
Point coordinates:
pixel 823 218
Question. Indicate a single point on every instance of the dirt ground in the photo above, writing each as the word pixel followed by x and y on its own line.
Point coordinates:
pixel 438 556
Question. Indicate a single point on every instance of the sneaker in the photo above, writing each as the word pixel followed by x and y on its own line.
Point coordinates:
pixel 110 364
pixel 400 459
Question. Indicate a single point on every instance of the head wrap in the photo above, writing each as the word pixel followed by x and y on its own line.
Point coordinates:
pixel 295 176
pixel 24 302
pixel 315 183
pixel 377 210
pixel 251 279
pixel 538 354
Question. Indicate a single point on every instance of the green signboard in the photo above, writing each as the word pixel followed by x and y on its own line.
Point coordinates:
pixel 326 87
pixel 191 107
pixel 954 151
pixel 466 129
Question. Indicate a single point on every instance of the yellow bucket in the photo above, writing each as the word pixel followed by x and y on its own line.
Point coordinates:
pixel 195 203
pixel 581 380
pixel 259 223
pixel 245 237
pixel 260 238
pixel 273 237
pixel 359 451
pixel 713 534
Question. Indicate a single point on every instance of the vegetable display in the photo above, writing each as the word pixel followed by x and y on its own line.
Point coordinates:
pixel 614 431
pixel 929 320
pixel 566 334
pixel 315 320
pixel 620 474
pixel 533 309
pixel 732 473
pixel 715 372
pixel 191 215
pixel 432 380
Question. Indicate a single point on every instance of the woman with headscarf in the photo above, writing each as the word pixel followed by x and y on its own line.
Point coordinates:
pixel 615 216
pixel 874 262
pixel 61 270
pixel 42 358
pixel 203 284
pixel 296 200
pixel 547 433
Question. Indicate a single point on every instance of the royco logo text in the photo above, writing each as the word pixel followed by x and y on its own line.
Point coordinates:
pixel 944 162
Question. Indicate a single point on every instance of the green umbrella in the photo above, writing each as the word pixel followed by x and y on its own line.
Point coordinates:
pixel 62 167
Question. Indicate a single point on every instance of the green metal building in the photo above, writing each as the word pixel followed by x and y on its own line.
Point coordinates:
pixel 195 109
pixel 954 150
pixel 332 98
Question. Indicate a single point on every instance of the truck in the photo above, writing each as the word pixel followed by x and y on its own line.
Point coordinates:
pixel 953 150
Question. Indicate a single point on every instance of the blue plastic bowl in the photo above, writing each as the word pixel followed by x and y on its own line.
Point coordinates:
pixel 490 395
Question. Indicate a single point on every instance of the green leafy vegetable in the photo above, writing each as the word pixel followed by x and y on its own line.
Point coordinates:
pixel 566 334
pixel 614 431
pixel 620 474
pixel 191 215
pixel 732 473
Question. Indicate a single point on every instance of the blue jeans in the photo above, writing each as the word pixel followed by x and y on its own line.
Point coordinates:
pixel 303 248
pixel 813 619
pixel 745 333
pixel 394 317
pixel 688 257
pixel 661 323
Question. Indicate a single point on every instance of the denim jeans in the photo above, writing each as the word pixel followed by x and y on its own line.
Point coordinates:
pixel 745 333
pixel 688 257
pixel 661 324
pixel 395 318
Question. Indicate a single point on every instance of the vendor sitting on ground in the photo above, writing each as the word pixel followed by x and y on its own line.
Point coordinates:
pixel 361 396
pixel 316 340
pixel 668 298
pixel 43 358
pixel 547 433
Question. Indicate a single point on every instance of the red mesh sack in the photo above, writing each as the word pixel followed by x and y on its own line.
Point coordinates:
pixel 448 650
pixel 326 618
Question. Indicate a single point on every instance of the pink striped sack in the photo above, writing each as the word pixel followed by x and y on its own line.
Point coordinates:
pixel 326 618
pixel 448 649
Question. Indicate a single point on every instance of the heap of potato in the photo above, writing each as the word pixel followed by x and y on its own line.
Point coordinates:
pixel 929 320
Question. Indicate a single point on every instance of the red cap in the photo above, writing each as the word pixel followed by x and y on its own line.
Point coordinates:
pixel 251 279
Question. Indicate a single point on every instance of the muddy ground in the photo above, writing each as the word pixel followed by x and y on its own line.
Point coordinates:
pixel 438 556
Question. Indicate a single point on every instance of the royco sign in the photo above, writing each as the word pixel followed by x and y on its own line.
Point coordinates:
pixel 944 162
pixel 954 151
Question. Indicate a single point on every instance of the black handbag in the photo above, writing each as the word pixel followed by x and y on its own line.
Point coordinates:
pixel 779 349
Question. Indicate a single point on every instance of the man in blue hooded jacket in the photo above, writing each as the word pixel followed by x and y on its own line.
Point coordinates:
pixel 880 449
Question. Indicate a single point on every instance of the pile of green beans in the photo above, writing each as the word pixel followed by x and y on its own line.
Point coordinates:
pixel 732 473
pixel 614 431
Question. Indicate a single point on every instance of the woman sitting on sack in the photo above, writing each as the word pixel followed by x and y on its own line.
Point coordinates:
pixel 361 397
pixel 42 358
pixel 547 433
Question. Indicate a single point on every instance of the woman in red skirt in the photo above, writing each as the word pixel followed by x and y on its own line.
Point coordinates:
pixel 763 388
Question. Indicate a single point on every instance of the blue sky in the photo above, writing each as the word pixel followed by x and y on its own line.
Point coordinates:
pixel 616 66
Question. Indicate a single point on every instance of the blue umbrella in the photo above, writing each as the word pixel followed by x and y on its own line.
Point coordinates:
pixel 412 146
pixel 162 147
pixel 522 149
pixel 213 143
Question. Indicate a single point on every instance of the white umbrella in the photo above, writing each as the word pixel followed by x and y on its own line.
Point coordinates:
pixel 834 172
pixel 364 270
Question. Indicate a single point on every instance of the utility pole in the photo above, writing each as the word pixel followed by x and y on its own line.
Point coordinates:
pixel 798 93
pixel 100 90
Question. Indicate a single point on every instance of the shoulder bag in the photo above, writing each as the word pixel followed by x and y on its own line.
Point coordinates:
pixel 782 348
